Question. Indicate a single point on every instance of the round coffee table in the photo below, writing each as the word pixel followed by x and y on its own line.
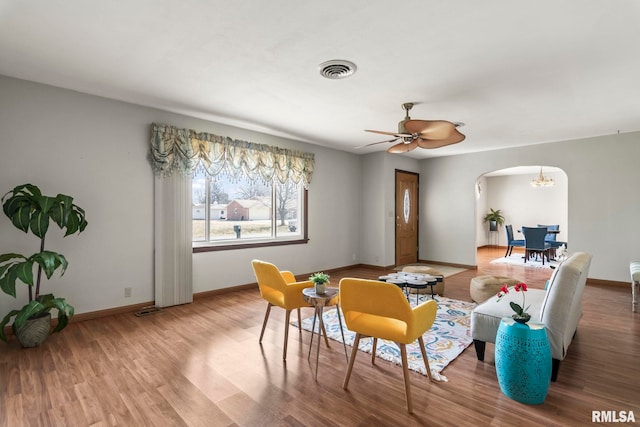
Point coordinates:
pixel 407 281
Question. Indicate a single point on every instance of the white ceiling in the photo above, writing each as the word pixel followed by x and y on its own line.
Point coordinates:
pixel 516 73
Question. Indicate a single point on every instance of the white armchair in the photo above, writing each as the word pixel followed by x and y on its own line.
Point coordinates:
pixel 558 308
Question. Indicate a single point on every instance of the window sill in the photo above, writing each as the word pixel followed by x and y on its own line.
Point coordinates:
pixel 248 245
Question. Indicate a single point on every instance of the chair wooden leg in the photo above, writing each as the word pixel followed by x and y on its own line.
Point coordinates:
pixel 324 331
pixel 264 324
pixel 373 350
pixel 286 334
pixel 480 346
pixel 423 350
pixel 299 322
pixel 354 353
pixel 555 367
pixel 405 371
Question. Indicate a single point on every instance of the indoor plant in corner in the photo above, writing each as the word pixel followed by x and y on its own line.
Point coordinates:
pixel 494 218
pixel 30 210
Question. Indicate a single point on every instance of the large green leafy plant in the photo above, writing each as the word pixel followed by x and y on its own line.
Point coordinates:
pixel 30 210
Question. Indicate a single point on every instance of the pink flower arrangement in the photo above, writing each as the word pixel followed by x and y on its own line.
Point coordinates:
pixel 520 310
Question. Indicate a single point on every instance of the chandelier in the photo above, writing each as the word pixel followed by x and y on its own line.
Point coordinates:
pixel 542 181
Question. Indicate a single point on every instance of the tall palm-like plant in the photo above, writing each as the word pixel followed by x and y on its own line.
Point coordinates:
pixel 30 210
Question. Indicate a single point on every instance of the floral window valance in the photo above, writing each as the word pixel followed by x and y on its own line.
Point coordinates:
pixel 184 150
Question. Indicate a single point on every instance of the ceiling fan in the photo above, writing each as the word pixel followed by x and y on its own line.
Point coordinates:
pixel 420 133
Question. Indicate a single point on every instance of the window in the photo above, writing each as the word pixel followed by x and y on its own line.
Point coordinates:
pixel 229 212
pixel 229 209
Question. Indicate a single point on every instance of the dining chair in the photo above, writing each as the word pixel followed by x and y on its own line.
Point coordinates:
pixel 280 288
pixel 511 242
pixel 551 238
pixel 534 243
pixel 381 310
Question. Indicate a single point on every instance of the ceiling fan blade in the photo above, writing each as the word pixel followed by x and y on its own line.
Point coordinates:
pixel 403 147
pixel 396 134
pixel 437 143
pixel 376 143
pixel 430 129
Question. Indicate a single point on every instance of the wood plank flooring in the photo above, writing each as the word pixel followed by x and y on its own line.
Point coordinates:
pixel 201 365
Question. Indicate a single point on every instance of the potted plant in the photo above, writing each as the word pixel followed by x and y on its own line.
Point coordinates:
pixel 320 281
pixel 521 315
pixel 30 210
pixel 495 219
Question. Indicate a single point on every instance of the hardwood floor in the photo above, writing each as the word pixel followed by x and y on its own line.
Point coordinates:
pixel 201 365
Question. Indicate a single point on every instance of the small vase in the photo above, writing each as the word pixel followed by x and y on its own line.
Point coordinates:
pixel 321 288
pixel 522 318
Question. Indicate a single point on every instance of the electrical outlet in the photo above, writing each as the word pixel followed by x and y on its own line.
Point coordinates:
pixel 127 292
pixel 353 257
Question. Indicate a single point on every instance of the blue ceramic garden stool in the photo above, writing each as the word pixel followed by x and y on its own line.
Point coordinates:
pixel 523 361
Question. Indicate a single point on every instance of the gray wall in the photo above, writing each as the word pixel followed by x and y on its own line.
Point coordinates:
pixel 95 150
pixel 523 205
pixel 377 229
pixel 602 210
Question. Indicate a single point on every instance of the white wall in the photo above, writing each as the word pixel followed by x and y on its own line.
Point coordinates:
pixel 602 211
pixel 523 205
pixel 482 235
pixel 334 205
pixel 377 230
pixel 95 150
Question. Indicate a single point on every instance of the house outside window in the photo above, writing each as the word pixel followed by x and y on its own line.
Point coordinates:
pixel 243 211
pixel 243 194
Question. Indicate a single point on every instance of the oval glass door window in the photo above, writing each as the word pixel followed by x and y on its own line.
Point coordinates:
pixel 407 206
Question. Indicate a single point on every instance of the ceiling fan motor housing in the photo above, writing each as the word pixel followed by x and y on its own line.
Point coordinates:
pixel 406 107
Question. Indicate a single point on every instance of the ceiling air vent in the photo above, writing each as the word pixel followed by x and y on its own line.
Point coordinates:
pixel 337 69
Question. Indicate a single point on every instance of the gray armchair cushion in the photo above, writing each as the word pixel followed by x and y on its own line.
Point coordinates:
pixel 559 308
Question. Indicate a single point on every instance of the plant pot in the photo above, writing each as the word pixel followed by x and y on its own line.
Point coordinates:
pixel 35 331
pixel 522 318
pixel 523 361
pixel 321 288
pixel 493 226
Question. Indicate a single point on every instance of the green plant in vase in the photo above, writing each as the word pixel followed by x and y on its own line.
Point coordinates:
pixel 494 218
pixel 320 281
pixel 30 210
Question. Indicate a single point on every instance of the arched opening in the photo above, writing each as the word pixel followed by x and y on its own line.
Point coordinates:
pixel 520 203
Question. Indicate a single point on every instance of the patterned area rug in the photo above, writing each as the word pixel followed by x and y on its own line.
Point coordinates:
pixel 447 338
pixel 518 260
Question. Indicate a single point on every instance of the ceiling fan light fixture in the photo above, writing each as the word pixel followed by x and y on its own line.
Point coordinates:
pixel 337 69
pixel 420 133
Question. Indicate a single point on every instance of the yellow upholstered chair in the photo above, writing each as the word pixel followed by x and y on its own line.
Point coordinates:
pixel 280 288
pixel 381 310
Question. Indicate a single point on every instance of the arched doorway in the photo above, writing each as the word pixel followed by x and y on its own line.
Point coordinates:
pixel 520 203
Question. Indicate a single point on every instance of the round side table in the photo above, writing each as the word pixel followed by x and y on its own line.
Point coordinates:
pixel 523 361
pixel 319 301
